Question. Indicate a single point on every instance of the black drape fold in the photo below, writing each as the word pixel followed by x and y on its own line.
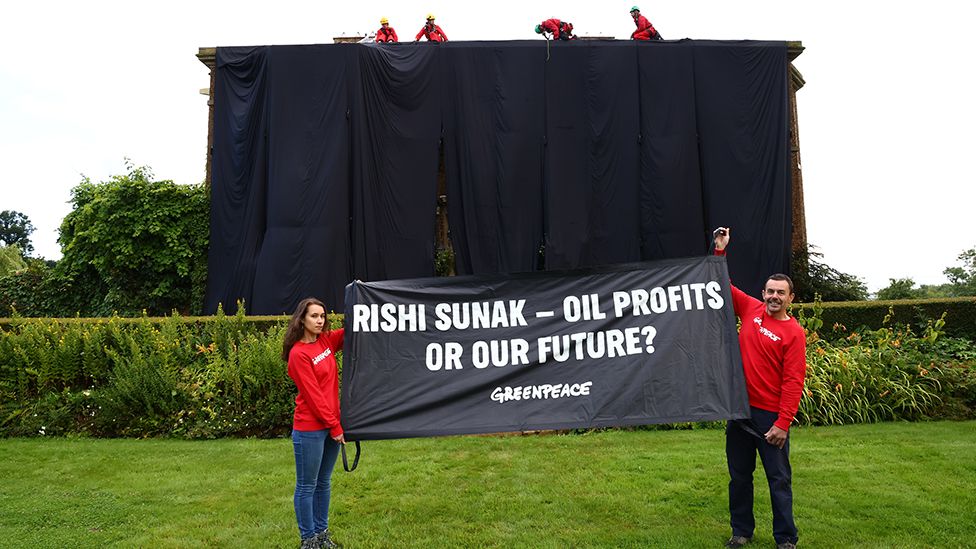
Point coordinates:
pixel 238 191
pixel 325 160
pixel 742 108
pixel 397 130
pixel 494 107
pixel 306 246
pixel 672 223
pixel 592 162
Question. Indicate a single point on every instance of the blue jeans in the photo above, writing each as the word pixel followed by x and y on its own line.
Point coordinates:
pixel 315 457
pixel 741 447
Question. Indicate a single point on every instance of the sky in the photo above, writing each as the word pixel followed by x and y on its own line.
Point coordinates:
pixel 887 120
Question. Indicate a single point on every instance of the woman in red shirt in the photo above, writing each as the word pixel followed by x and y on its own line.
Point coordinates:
pixel 310 348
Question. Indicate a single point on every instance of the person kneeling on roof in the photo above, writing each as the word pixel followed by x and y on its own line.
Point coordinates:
pixel 386 32
pixel 645 30
pixel 433 32
pixel 559 30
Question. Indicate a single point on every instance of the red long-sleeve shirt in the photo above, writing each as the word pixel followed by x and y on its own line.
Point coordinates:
pixel 434 35
pixel 386 35
pixel 774 357
pixel 645 31
pixel 313 368
pixel 552 26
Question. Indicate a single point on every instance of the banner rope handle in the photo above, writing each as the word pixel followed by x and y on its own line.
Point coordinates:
pixel 355 461
pixel 748 426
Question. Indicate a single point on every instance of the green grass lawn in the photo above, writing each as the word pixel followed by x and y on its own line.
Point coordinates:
pixel 886 485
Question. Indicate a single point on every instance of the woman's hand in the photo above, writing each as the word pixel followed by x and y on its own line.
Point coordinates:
pixel 341 439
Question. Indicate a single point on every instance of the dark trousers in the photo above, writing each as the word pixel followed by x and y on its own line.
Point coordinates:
pixel 740 450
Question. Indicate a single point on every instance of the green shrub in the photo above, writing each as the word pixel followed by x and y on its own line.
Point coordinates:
pixel 40 291
pixel 891 373
pixel 132 244
pixel 960 314
pixel 198 377
pixel 208 377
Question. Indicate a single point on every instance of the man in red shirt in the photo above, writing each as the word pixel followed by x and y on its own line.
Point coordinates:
pixel 645 30
pixel 433 32
pixel 558 29
pixel 773 347
pixel 386 32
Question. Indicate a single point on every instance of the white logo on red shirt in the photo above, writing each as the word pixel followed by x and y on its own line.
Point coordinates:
pixel 321 357
pixel 765 331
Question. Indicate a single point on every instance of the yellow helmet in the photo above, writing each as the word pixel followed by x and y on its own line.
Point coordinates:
pixel 430 16
pixel 384 21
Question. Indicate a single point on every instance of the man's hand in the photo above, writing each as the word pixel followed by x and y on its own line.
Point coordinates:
pixel 341 439
pixel 722 236
pixel 776 437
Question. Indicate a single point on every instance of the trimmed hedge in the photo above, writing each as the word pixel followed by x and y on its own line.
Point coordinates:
pixel 208 377
pixel 960 320
pixel 199 323
pixel 197 377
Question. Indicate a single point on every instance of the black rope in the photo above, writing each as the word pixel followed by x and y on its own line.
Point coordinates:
pixel 747 426
pixel 355 461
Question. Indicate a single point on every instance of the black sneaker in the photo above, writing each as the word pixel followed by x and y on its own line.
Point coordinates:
pixel 786 545
pixel 737 541
pixel 309 543
pixel 323 540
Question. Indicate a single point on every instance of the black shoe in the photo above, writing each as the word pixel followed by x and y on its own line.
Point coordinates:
pixel 786 545
pixel 737 541
pixel 323 540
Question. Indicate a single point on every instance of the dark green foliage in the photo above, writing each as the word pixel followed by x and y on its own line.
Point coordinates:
pixel 894 372
pixel 219 376
pixel 962 282
pixel 444 262
pixel 131 244
pixel 903 288
pixel 41 291
pixel 193 377
pixel 15 230
pixel 960 314
pixel 963 279
pixel 812 277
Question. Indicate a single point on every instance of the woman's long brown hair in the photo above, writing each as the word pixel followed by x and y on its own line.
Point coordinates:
pixel 296 326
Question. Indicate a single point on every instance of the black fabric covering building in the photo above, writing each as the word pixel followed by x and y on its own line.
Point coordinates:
pixel 326 160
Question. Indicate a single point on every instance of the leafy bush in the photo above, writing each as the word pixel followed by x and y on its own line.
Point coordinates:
pixel 890 373
pixel 207 377
pixel 40 291
pixel 192 377
pixel 960 319
pixel 11 260
pixel 132 244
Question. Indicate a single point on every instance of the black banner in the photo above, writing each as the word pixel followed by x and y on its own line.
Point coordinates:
pixel 630 344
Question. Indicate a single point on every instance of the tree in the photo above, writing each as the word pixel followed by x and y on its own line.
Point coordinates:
pixel 812 276
pixel 15 230
pixel 902 288
pixel 963 279
pixel 132 244
pixel 962 282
